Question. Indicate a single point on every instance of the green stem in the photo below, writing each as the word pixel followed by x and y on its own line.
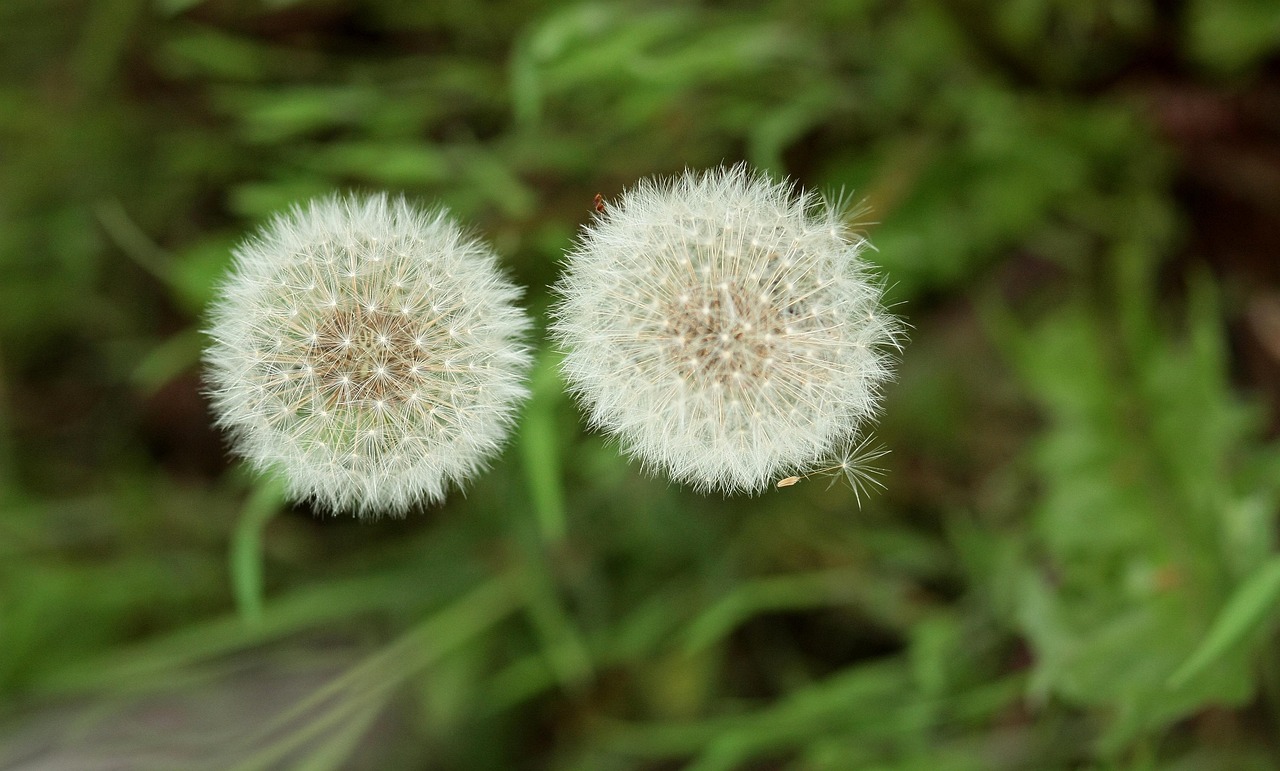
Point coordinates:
pixel 1271 686
pixel 7 473
pixel 540 452
pixel 246 556
pixel 562 643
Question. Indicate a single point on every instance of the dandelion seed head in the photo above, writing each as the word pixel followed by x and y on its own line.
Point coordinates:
pixel 752 299
pixel 332 361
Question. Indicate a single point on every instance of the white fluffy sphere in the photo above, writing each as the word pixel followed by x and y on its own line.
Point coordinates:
pixel 724 328
pixel 368 351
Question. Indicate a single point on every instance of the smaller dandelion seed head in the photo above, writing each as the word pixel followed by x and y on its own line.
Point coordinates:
pixel 750 295
pixel 318 324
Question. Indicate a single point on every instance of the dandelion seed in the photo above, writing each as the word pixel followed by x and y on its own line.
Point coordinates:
pixel 753 299
pixel 352 380
pixel 855 467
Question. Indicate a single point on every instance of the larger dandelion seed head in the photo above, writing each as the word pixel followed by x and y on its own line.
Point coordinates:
pixel 724 328
pixel 367 351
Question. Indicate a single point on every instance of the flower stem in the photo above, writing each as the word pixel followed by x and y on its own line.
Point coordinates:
pixel 540 452
pixel 246 548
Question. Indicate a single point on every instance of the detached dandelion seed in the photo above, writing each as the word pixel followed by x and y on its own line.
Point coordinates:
pixel 367 351
pixel 724 328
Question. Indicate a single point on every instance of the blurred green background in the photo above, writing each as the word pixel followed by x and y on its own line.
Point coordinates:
pixel 1073 566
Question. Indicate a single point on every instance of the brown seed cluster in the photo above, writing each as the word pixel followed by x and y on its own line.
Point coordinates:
pixel 723 333
pixel 371 356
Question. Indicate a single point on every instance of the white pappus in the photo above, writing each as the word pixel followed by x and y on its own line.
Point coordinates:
pixel 368 351
pixel 724 328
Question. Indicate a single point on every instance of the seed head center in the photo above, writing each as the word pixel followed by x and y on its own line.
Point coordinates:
pixel 722 333
pixel 368 355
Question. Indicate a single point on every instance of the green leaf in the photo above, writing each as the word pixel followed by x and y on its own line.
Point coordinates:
pixel 168 360
pixel 751 598
pixel 1248 609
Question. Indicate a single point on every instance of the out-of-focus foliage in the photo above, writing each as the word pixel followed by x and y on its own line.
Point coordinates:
pixel 1073 565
